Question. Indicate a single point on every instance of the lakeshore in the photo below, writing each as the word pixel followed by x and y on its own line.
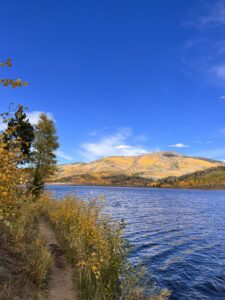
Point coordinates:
pixel 174 233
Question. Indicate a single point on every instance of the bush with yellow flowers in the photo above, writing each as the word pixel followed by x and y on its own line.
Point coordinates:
pixel 11 178
pixel 24 259
pixel 94 245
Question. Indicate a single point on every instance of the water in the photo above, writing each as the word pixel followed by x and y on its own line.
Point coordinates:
pixel 178 234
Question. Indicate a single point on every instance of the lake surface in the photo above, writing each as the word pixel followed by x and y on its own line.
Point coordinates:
pixel 179 235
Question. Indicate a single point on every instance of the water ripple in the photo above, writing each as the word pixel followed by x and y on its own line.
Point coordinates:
pixel 178 234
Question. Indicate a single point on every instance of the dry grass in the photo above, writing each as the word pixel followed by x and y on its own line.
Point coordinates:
pixel 92 243
pixel 24 259
pixel 97 251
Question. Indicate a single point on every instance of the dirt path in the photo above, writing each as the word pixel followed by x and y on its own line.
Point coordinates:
pixel 61 283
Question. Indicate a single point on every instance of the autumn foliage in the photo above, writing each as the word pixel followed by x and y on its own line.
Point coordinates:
pixel 92 241
pixel 94 244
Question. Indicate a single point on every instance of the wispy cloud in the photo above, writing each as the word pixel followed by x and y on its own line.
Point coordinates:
pixel 222 97
pixel 203 53
pixel 203 142
pixel 179 145
pixel 218 153
pixel 191 43
pixel 116 144
pixel 213 16
pixel 92 132
pixel 63 155
pixel 219 71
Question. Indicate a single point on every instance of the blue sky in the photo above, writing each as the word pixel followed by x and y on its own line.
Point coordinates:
pixel 120 77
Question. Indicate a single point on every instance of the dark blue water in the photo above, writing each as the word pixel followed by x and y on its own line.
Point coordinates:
pixel 178 234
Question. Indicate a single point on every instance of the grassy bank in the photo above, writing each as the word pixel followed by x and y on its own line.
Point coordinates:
pixel 95 247
pixel 93 244
pixel 24 259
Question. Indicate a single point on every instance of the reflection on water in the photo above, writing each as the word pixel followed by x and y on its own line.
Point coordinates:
pixel 178 234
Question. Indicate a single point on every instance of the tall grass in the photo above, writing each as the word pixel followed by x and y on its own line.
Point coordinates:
pixel 25 261
pixel 94 245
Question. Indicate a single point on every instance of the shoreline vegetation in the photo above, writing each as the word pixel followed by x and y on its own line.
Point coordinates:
pixel 94 246
pixel 208 179
pixel 137 186
pixel 92 242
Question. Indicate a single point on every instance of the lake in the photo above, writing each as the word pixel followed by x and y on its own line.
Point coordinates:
pixel 179 235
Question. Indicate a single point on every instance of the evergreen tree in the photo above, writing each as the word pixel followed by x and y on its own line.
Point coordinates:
pixel 44 158
pixel 19 132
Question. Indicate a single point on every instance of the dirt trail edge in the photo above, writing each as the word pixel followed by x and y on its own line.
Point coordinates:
pixel 61 282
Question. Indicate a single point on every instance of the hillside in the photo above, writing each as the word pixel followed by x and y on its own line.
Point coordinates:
pixel 132 170
pixel 213 178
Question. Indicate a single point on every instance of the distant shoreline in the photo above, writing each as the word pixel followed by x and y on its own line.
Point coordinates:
pixel 134 186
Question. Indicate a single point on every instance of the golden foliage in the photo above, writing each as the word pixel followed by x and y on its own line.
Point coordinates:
pixel 24 259
pixel 19 229
pixel 11 179
pixel 11 82
pixel 94 244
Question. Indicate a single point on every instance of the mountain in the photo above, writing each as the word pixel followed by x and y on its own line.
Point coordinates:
pixel 132 170
pixel 212 178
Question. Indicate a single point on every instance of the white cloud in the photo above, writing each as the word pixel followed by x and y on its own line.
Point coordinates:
pixel 222 97
pixel 128 150
pixel 33 116
pixel 61 154
pixel 113 145
pixel 179 145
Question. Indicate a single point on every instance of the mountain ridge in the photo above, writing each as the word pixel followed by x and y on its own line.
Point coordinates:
pixel 149 166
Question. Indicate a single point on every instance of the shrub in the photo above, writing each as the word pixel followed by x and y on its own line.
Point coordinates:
pixel 94 245
pixel 25 261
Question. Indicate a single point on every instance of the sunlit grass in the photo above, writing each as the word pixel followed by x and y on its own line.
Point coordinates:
pixel 94 245
pixel 27 261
